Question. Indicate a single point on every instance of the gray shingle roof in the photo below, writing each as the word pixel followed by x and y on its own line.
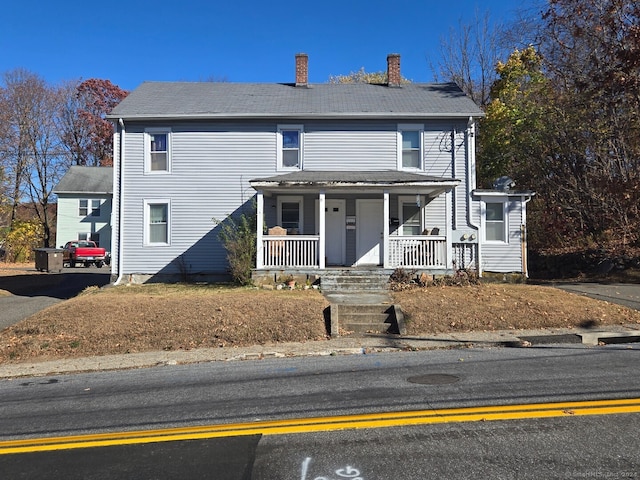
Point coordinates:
pixel 78 179
pixel 160 100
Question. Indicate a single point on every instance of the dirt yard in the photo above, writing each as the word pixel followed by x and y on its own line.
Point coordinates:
pixel 139 318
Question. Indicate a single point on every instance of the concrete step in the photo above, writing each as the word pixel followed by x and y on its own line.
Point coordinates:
pixel 362 318
pixel 365 309
pixel 355 281
pixel 381 327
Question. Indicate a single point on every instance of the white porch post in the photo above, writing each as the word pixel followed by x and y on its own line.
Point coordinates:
pixel 385 230
pixel 259 224
pixel 321 227
pixel 449 247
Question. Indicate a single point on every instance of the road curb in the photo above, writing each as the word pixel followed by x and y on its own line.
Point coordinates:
pixel 347 345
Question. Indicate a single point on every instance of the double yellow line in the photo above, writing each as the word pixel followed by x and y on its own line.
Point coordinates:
pixel 326 424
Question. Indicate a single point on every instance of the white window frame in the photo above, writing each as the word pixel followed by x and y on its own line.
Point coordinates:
pixel 147 218
pixel 299 199
pixel 411 200
pixel 89 208
pixel 148 132
pixel 90 236
pixel 411 127
pixel 280 157
pixel 505 219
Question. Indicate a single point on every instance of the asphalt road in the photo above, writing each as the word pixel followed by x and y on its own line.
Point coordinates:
pixel 30 294
pixel 239 398
pixel 627 294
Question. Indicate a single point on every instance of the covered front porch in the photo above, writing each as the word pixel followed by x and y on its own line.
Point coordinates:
pixel 388 219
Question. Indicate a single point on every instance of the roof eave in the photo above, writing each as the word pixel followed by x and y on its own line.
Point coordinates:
pixel 300 116
pixel 80 192
pixel 499 193
pixel 260 184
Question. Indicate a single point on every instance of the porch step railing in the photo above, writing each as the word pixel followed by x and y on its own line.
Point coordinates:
pixel 465 256
pixel 424 251
pixel 290 251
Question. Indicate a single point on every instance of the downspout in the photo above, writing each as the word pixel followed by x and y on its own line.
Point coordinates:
pixel 471 184
pixel 523 236
pixel 454 174
pixel 119 173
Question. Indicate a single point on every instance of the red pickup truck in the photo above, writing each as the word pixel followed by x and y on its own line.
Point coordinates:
pixel 83 251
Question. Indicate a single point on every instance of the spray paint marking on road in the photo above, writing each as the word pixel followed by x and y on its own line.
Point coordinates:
pixel 347 472
pixel 327 424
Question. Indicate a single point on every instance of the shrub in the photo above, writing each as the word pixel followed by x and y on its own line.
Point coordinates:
pixel 238 235
pixel 21 240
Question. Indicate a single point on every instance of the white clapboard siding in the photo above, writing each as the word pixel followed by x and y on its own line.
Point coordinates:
pixel 342 147
pixel 505 258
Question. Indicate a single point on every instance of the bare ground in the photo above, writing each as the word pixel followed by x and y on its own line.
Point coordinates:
pixel 140 318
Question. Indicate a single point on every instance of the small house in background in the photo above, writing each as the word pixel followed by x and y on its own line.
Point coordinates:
pixel 379 176
pixel 85 196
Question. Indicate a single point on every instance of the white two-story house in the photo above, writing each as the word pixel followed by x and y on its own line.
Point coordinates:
pixel 341 175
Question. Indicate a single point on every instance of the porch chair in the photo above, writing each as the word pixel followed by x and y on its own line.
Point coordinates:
pixel 276 248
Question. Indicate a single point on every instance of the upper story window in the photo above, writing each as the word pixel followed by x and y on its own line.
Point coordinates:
pixel 157 150
pixel 410 147
pixel 290 147
pixel 88 208
pixel 495 222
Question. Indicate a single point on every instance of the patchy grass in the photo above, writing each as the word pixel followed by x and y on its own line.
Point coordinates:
pixel 130 319
pixel 495 306
pixel 140 318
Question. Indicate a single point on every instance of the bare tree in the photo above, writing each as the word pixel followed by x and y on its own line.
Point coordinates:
pixel 31 145
pixel 469 56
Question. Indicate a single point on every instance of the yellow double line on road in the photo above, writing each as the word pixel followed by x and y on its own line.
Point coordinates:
pixel 326 424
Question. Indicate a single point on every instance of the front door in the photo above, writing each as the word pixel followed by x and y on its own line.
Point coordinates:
pixel 335 238
pixel 369 232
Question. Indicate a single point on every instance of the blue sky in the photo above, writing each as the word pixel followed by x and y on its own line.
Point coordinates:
pixel 240 41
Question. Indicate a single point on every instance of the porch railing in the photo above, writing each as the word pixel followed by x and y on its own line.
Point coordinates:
pixel 424 251
pixel 290 251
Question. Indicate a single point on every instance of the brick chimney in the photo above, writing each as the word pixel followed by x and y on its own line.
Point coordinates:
pixel 302 69
pixel 394 78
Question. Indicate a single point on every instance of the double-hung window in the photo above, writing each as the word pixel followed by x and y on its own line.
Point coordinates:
pixel 88 208
pixel 410 147
pixel 495 222
pixel 410 216
pixel 290 147
pixel 290 210
pixel 157 150
pixel 157 226
pixel 94 237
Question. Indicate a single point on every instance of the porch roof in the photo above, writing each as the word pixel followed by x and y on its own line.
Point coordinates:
pixel 355 181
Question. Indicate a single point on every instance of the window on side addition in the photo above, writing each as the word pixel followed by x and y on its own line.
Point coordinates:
pixel 495 222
